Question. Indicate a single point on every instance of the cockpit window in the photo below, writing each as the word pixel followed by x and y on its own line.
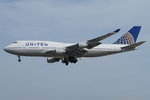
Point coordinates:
pixel 14 42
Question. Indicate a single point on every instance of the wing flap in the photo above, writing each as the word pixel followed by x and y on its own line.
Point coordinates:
pixel 73 47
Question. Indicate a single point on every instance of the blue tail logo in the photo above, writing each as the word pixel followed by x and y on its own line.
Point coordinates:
pixel 130 37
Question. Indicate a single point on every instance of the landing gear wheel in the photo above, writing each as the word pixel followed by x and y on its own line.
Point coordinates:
pixel 19 60
pixel 65 60
pixel 72 59
pixel 67 63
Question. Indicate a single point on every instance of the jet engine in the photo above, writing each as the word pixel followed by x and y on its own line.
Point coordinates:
pixel 56 52
pixel 52 60
pixel 82 45
pixel 59 51
pixel 88 45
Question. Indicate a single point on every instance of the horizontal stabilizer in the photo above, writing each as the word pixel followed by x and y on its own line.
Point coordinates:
pixel 132 46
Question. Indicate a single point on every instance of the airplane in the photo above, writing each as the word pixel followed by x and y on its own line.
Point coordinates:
pixel 71 52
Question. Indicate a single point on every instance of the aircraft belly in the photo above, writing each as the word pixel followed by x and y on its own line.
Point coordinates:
pixel 29 52
pixel 37 53
pixel 97 53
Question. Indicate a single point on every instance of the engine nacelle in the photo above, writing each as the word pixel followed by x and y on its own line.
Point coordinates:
pixel 88 45
pixel 56 51
pixel 52 60
pixel 82 45
pixel 59 51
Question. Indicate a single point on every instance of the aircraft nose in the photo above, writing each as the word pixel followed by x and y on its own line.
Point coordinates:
pixel 5 49
pixel 9 49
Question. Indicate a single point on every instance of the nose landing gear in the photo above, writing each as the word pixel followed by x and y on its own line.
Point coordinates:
pixel 19 59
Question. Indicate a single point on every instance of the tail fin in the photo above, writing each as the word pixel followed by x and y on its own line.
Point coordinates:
pixel 130 37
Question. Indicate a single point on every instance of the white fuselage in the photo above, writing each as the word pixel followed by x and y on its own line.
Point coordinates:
pixel 39 48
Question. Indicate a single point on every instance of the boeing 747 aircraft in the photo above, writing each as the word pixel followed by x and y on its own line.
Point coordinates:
pixel 70 52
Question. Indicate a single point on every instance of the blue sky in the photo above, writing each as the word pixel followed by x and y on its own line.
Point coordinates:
pixel 122 76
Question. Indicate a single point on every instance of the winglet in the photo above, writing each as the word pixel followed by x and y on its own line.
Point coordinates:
pixel 117 30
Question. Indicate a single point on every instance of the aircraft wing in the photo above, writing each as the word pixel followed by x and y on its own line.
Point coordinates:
pixel 93 42
pixel 103 36
pixel 79 49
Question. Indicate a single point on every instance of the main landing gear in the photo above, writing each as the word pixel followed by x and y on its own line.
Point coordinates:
pixel 72 59
pixel 69 59
pixel 19 59
pixel 65 60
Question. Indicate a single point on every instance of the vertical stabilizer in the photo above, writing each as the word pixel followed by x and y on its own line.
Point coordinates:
pixel 130 37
